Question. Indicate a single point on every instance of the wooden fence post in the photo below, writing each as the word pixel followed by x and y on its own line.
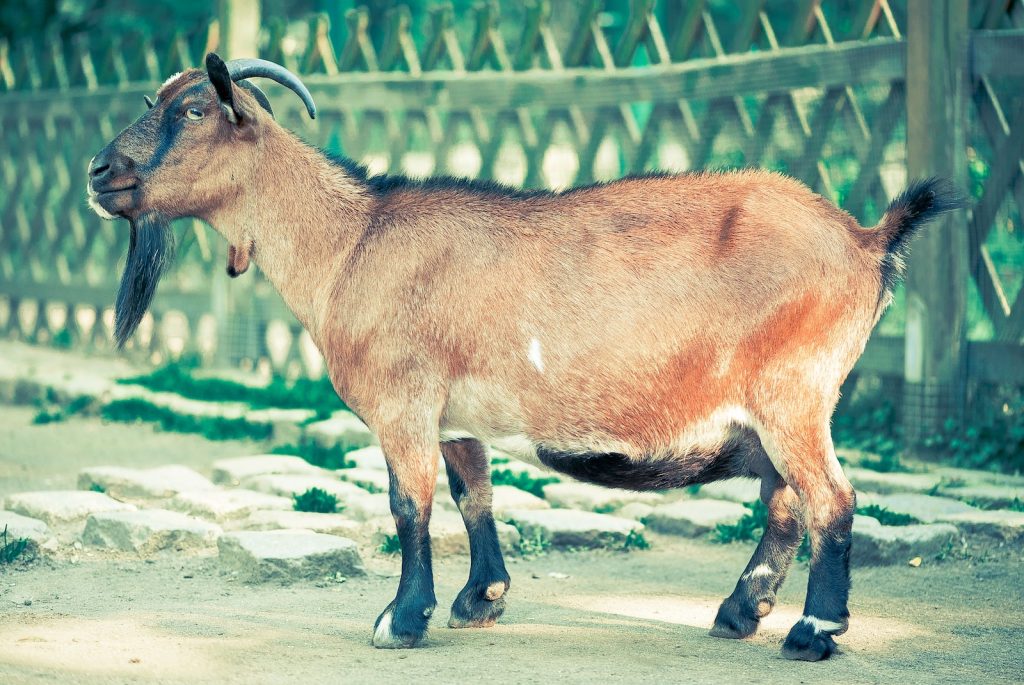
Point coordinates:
pixel 938 92
pixel 232 306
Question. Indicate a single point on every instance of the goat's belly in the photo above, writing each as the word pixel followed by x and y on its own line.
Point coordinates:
pixel 719 457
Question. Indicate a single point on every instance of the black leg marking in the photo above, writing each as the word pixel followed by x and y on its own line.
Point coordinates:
pixel 404 622
pixel 754 596
pixel 482 601
pixel 828 589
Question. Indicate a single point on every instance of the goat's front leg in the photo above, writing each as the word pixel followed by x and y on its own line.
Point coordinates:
pixel 482 601
pixel 412 467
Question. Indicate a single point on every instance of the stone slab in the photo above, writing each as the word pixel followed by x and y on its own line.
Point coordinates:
pixel 572 528
pixel 889 483
pixel 371 480
pixel 576 495
pixel 331 524
pixel 925 508
pixel 368 507
pixel 19 526
pixel 232 471
pixel 738 490
pixel 506 497
pixel 989 495
pixel 343 429
pixel 694 517
pixel 223 505
pixel 371 457
pixel 289 486
pixel 288 555
pixel 63 506
pixel 876 545
pixel 156 483
pixel 148 530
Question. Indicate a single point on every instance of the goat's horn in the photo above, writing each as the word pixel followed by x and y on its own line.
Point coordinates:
pixel 248 68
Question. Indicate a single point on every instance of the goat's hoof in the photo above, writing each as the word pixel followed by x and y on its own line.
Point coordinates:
pixel 400 630
pixel 804 643
pixel 734 621
pixel 479 606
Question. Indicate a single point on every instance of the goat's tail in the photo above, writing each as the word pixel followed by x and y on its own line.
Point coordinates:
pixel 922 201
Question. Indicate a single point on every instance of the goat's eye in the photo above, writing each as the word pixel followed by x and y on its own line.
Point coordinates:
pixel 193 114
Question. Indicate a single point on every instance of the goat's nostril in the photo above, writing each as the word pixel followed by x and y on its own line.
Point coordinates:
pixel 98 170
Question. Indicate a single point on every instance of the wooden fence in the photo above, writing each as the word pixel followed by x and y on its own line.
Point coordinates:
pixel 819 91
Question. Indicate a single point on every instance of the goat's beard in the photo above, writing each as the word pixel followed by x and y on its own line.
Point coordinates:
pixel 150 252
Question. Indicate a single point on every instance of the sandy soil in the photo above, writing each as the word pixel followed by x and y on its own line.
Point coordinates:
pixel 637 617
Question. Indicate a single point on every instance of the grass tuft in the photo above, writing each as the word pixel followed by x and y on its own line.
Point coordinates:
pixel 324 457
pixel 635 540
pixel 210 427
pixel 317 501
pixel 523 481
pixel 390 544
pixel 886 517
pixel 10 550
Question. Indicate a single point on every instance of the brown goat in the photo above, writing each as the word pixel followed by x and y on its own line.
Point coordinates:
pixel 648 333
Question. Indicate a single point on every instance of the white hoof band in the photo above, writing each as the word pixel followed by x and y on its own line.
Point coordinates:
pixel 383 638
pixel 821 625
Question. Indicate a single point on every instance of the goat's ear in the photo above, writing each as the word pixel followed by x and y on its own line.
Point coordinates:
pixel 221 80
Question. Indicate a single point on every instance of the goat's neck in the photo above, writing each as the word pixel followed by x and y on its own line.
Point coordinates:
pixel 303 215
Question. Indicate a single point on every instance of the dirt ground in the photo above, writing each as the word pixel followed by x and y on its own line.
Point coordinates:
pixel 617 617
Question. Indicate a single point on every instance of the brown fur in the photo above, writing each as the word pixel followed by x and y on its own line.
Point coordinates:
pixel 644 317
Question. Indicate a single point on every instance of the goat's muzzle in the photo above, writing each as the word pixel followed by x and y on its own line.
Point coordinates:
pixel 113 186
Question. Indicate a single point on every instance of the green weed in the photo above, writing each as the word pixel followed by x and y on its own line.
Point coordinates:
pixel 390 544
pixel 11 549
pixel 523 481
pixel 302 393
pixel 317 501
pixel 887 517
pixel 210 427
pixel 635 540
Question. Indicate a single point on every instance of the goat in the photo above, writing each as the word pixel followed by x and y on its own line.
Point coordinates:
pixel 648 333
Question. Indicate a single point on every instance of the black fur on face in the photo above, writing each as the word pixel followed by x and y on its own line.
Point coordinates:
pixel 150 252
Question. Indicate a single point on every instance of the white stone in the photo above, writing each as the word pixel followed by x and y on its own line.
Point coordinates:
pixel 638 511
pixel 575 495
pixel 989 495
pixel 221 505
pixel 289 486
pixel 159 482
pixel 369 506
pixel 368 479
pixel 1001 524
pixel 732 489
pixel 63 506
pixel 232 471
pixel 506 497
pixel 572 528
pixel 371 457
pixel 888 483
pixel 517 467
pixel 694 517
pixel 18 526
pixel 925 508
pixel 274 416
pixel 875 544
pixel 259 556
pixel 331 524
pixel 343 429
pixel 149 530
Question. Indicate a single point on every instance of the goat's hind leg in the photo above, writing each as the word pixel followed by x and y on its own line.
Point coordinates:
pixel 482 601
pixel 754 596
pixel 805 456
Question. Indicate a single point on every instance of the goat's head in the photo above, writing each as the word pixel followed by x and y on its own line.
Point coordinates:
pixel 180 159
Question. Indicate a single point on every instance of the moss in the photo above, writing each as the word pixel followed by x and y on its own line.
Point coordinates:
pixel 324 457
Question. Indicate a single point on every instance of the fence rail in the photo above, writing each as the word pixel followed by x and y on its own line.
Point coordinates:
pixel 678 85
